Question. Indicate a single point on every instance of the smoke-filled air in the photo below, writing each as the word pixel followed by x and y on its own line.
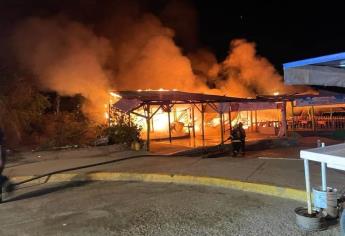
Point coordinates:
pixel 135 50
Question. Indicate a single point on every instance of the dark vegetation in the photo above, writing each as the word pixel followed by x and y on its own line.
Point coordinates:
pixel 34 119
pixel 123 131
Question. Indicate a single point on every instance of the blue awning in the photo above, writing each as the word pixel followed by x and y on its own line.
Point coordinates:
pixel 325 70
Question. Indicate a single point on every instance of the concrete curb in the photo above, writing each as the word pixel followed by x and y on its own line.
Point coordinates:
pixel 282 192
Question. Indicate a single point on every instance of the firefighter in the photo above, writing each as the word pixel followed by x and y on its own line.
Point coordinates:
pixel 242 137
pixel 235 137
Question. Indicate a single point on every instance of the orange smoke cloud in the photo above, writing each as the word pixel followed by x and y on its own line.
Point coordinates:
pixel 248 74
pixel 65 57
pixel 147 57
pixel 70 58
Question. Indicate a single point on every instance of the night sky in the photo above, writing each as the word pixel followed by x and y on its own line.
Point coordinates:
pixel 283 30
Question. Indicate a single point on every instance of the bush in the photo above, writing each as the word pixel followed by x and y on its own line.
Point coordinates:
pixel 123 134
pixel 65 129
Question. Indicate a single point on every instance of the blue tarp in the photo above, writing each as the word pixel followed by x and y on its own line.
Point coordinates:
pixel 323 60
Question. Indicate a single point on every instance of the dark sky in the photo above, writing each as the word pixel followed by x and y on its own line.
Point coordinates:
pixel 283 30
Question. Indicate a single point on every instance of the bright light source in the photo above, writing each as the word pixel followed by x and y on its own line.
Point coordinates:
pixel 276 93
pixel 115 95
pixel 162 89
pixel 106 115
pixel 342 63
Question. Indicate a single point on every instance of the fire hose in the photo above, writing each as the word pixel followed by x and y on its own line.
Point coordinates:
pixel 12 186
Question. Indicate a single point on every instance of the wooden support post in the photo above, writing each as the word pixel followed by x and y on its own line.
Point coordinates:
pixel 151 119
pixel 221 128
pixel 251 121
pixel 230 119
pixel 169 124
pixel 313 118
pixel 193 121
pixel 293 116
pixel 148 130
pixel 247 116
pixel 284 123
pixel 58 100
pixel 256 121
pixel 203 123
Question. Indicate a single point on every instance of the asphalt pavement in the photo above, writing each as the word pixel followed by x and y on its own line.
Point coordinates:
pixel 132 208
pixel 265 169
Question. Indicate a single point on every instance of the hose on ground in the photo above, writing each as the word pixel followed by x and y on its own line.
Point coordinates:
pixel 12 186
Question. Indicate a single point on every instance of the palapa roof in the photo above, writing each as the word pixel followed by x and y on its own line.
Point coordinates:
pixel 168 96
pixel 131 100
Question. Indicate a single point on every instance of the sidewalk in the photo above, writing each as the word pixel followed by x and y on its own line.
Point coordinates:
pixel 277 172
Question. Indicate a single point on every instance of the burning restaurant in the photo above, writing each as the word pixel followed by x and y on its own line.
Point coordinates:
pixel 204 96
pixel 203 119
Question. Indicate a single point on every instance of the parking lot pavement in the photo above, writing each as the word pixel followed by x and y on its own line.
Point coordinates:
pixel 272 171
pixel 133 208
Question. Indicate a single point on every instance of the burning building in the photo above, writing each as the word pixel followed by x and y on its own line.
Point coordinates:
pixel 169 114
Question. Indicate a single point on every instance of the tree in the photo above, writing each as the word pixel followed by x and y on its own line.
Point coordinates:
pixel 21 107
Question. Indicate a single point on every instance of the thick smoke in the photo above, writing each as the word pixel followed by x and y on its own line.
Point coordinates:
pixel 147 57
pixel 66 57
pixel 70 58
pixel 205 66
pixel 134 50
pixel 247 74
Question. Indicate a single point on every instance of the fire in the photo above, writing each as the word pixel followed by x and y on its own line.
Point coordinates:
pixel 160 90
pixel 106 112
pixel 214 122
pixel 160 122
pixel 181 122
pixel 115 95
